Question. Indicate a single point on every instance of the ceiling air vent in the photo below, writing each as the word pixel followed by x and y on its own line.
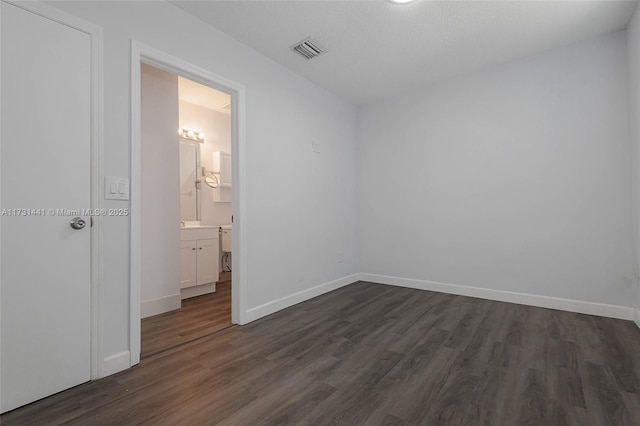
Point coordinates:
pixel 308 48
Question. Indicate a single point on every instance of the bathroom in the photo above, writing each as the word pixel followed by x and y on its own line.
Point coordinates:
pixel 186 176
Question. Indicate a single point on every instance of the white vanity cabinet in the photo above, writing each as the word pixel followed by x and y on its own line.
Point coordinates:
pixel 199 252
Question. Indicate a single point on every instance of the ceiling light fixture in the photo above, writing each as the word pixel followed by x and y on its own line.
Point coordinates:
pixel 401 1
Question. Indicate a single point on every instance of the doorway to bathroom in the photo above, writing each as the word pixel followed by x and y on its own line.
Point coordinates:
pixel 201 131
pixel 189 195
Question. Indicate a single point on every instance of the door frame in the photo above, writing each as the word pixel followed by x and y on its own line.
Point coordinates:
pixel 142 53
pixel 97 159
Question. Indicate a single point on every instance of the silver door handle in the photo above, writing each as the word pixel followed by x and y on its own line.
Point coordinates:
pixel 78 223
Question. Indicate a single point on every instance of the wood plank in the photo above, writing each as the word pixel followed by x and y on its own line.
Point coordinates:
pixel 198 317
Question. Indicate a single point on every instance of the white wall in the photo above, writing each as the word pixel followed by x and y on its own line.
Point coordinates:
pixel 301 208
pixel 217 130
pixel 633 52
pixel 513 179
pixel 160 268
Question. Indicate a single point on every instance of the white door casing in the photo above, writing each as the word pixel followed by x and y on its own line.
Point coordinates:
pixel 50 152
pixel 141 53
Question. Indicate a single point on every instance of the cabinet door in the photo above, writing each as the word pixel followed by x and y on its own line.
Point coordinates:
pixel 222 164
pixel 207 261
pixel 187 263
pixel 225 170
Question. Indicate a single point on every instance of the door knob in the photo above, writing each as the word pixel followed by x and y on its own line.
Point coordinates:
pixel 77 223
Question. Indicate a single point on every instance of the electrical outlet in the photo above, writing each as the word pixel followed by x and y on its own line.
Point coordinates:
pixel 339 257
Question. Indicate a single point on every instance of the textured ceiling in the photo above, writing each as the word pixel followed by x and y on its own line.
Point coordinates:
pixel 377 49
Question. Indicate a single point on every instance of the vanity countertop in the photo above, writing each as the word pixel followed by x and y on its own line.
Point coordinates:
pixel 190 233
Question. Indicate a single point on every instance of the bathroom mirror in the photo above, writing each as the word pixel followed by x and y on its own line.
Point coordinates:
pixel 189 181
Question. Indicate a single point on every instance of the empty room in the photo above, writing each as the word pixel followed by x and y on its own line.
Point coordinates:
pixel 320 212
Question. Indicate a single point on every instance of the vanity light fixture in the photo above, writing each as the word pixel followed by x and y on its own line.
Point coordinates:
pixel 191 135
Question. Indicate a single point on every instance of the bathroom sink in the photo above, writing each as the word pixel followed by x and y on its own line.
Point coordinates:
pixel 196 225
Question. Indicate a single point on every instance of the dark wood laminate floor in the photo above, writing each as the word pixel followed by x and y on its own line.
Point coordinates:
pixel 198 317
pixel 371 354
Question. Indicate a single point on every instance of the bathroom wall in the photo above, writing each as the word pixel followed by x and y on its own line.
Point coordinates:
pixel 160 288
pixel 217 129
pixel 512 181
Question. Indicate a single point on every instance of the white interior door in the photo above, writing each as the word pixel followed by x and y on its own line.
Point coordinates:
pixel 45 145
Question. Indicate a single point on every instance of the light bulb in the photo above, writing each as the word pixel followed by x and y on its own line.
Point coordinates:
pixel 201 135
pixel 191 133
pixel 180 132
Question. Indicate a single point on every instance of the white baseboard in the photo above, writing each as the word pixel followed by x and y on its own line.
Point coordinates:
pixel 269 308
pixel 579 306
pixel 197 290
pixel 160 305
pixel 115 363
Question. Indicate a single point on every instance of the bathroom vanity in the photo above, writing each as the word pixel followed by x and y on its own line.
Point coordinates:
pixel 199 253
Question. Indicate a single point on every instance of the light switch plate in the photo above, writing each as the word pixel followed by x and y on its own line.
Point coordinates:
pixel 116 188
pixel 315 146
